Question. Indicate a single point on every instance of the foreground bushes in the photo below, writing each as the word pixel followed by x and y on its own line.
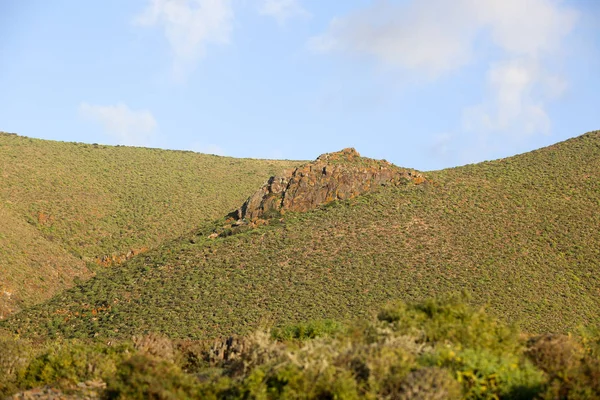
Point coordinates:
pixel 431 350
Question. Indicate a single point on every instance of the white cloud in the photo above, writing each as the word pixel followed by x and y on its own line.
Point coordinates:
pixel 282 10
pixel 430 36
pixel 438 36
pixel 511 105
pixel 526 27
pixel 129 127
pixel 189 26
pixel 433 38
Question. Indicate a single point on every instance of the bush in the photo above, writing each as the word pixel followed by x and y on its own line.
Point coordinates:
pixel 429 383
pixel 72 362
pixel 14 356
pixel 485 375
pixel 452 320
pixel 310 330
pixel 573 370
pixel 559 356
pixel 145 377
pixel 155 345
pixel 418 351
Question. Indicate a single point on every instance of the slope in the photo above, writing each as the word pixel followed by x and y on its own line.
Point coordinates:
pixel 102 204
pixel 519 234
pixel 44 267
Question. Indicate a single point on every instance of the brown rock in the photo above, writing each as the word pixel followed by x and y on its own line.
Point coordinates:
pixel 333 176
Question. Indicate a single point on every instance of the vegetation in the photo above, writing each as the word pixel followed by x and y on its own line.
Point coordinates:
pixel 220 310
pixel 63 205
pixel 437 349
pixel 519 234
pixel 31 267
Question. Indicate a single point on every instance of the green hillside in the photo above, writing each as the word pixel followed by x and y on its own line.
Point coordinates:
pixel 31 267
pixel 71 203
pixel 520 234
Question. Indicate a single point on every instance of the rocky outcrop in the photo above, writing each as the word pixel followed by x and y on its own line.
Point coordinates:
pixel 333 176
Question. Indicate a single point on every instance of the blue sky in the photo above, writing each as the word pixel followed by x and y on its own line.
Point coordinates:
pixel 426 84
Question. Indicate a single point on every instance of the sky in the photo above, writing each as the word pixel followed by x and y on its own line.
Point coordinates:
pixel 425 84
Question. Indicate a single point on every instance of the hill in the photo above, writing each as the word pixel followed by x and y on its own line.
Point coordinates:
pixel 519 234
pixel 43 266
pixel 66 205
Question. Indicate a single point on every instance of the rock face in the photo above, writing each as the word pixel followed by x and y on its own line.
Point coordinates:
pixel 333 176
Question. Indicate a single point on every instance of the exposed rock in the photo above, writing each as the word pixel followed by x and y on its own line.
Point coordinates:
pixel 333 176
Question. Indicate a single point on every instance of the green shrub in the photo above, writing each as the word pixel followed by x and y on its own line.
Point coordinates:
pixel 451 319
pixel 309 330
pixel 14 356
pixel 72 362
pixel 486 375
pixel 145 377
pixel 414 351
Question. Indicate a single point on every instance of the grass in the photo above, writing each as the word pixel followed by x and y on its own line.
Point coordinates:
pixel 65 205
pixel 518 234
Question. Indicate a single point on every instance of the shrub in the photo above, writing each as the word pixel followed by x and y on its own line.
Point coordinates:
pixel 451 319
pixel 430 383
pixel 145 377
pixel 155 345
pixel 14 355
pixel 485 375
pixel 238 355
pixel 573 370
pixel 72 362
pixel 557 355
pixel 310 330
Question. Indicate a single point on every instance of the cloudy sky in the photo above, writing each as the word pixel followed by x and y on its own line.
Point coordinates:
pixel 426 84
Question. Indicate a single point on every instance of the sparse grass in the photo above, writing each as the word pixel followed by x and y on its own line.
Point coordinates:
pixel 65 204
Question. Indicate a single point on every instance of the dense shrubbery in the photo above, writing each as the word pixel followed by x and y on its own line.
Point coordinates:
pixel 439 349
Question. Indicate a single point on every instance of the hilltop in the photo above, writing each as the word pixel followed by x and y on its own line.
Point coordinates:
pixel 69 209
pixel 519 234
